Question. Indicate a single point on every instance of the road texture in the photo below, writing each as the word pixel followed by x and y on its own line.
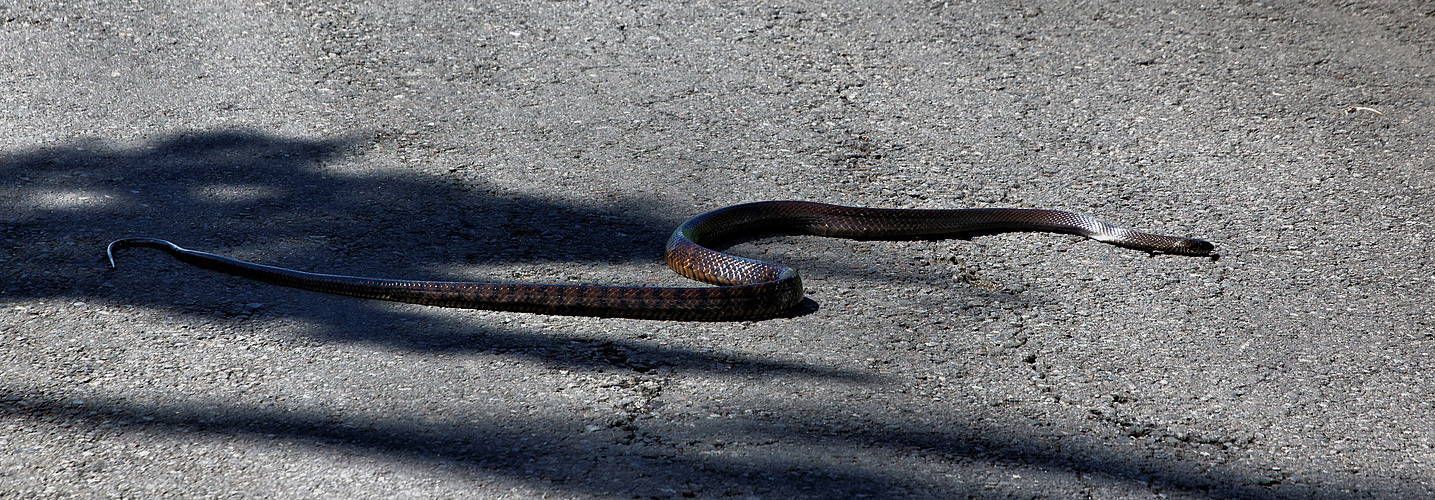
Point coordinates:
pixel 561 141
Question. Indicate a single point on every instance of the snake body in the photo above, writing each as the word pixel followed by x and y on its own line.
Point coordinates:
pixel 748 288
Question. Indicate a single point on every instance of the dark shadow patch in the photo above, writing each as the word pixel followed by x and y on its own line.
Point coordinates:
pixel 304 204
pixel 555 452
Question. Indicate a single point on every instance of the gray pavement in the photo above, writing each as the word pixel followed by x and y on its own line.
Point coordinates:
pixel 561 141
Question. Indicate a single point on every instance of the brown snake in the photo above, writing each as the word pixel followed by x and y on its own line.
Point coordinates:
pixel 748 289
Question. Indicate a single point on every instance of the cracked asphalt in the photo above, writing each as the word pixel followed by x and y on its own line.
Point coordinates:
pixel 562 141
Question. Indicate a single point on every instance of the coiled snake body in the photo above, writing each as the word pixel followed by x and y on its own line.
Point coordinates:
pixel 748 288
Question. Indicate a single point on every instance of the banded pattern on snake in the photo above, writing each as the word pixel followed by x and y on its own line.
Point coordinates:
pixel 748 289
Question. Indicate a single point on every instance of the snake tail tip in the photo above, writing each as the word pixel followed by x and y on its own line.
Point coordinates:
pixel 117 244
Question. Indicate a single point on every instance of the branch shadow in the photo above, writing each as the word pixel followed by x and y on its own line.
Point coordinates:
pixel 553 452
pixel 297 204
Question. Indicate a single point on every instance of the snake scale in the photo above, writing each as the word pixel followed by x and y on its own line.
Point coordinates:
pixel 747 289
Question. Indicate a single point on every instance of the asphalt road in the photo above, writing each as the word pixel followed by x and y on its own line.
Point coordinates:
pixel 561 141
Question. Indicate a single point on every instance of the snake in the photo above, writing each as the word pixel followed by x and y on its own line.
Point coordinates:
pixel 747 289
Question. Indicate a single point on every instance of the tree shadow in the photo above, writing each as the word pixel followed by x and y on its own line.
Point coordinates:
pixel 296 203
